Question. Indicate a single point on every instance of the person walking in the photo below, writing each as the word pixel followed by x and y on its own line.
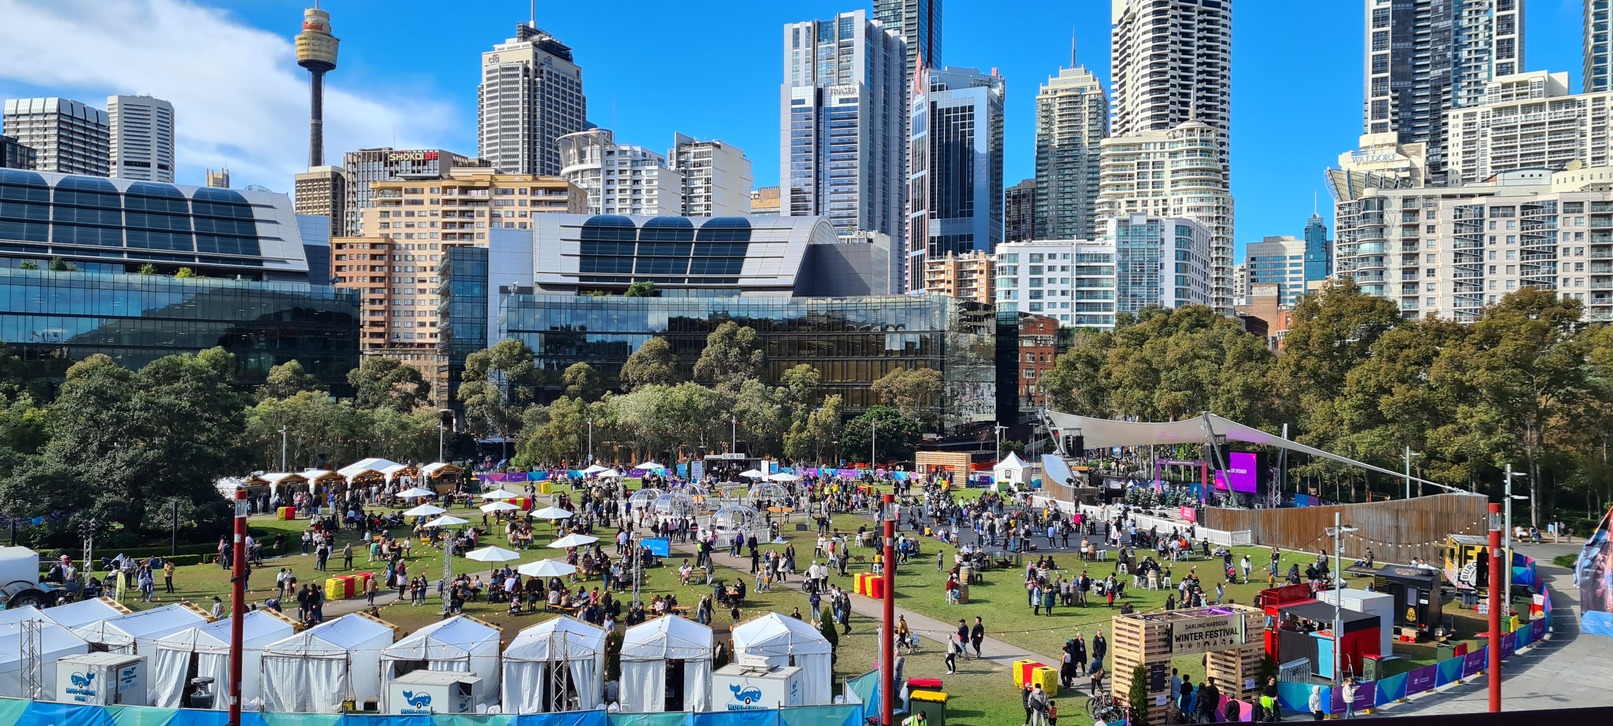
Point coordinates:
pixel 1078 653
pixel 953 649
pixel 168 575
pixel 1025 700
pixel 977 635
pixel 1184 700
pixel 347 556
pixel 1315 704
pixel 1350 689
pixel 1208 699
pixel 1038 703
pixel 371 587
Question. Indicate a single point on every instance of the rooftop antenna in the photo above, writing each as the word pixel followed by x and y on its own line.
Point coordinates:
pixel 1314 206
pixel 534 14
pixel 1073 64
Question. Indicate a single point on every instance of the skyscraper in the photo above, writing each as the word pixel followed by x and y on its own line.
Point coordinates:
pixel 1172 76
pixel 919 24
pixel 1318 250
pixel 142 138
pixel 957 132
pixel 16 156
pixel 1528 121
pixel 1425 57
pixel 316 51
pixel 842 117
pixel 716 177
pixel 321 191
pixel 1598 57
pixel 1019 212
pixel 1278 260
pixel 1072 119
pixel 68 137
pixel 361 169
pixel 620 178
pixel 530 96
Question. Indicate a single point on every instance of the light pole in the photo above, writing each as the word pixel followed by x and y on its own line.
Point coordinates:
pixel 282 448
pixel 1495 603
pixel 1409 454
pixel 1337 531
pixel 441 430
pixel 1000 428
pixel 590 442
pixel 733 433
pixel 1506 539
pixel 873 442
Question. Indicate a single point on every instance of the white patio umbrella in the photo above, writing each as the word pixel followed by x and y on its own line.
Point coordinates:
pixel 447 520
pixel 425 510
pixel 595 469
pixel 751 474
pixel 546 568
pixel 783 476
pixel 650 465
pixel 499 494
pixel 610 474
pixel 492 554
pixel 551 513
pixel 492 507
pixel 572 540
pixel 416 493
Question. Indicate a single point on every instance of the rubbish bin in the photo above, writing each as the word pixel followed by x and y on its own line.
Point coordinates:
pixel 1446 650
pixel 202 696
pixel 933 704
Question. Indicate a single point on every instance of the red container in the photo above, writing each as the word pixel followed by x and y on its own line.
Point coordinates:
pixel 1027 669
pixel 347 585
pixel 933 684
pixel 361 582
pixel 876 588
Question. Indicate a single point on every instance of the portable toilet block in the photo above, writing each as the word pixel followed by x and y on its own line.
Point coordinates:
pixel 737 687
pixel 423 693
pixel 102 679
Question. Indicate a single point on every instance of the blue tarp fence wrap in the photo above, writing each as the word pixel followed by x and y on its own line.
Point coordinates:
pixel 14 711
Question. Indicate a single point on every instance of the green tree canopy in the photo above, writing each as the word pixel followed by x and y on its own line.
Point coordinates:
pixel 581 381
pixel 653 364
pixel 893 436
pixel 287 380
pixel 499 383
pixel 733 354
pixel 386 382
pixel 915 392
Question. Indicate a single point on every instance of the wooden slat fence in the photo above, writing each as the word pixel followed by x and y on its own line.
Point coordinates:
pixel 1396 530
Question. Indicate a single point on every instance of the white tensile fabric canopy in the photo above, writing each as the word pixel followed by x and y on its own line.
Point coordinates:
pixel 209 644
pixel 392 472
pixel 529 660
pixel 774 639
pixel 1010 470
pixel 647 647
pixel 458 644
pixel 437 467
pixel 312 671
pixel 364 466
pixel 55 643
pixel 135 633
pixel 1102 433
pixel 80 613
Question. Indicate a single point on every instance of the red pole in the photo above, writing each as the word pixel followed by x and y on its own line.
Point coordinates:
pixel 1497 605
pixel 237 606
pixel 887 644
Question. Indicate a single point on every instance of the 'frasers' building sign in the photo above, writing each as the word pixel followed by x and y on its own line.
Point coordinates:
pixel 1203 635
pixel 398 156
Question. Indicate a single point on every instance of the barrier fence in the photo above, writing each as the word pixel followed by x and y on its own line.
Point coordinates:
pixel 14 711
pixel 1396 530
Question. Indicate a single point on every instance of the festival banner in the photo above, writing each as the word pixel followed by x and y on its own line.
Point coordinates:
pixel 658 546
pixel 516 476
pixel 1450 671
pixel 1297 696
pixel 1391 689
pixel 1365 695
pixel 1421 679
pixel 1190 514
pixel 1539 628
pixel 1509 645
pixel 1473 662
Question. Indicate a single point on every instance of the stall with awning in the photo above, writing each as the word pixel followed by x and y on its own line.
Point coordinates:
pixel 313 671
pixel 666 666
pixel 205 652
pixel 556 665
pixel 777 640
pixel 461 644
pixel 136 633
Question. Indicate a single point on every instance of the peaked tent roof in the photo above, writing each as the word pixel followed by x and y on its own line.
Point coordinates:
pixel 334 638
pixel 1012 461
pixel 364 465
pixel 83 612
pixel 777 635
pixel 258 628
pixel 572 640
pixel 153 623
pixel 667 638
pixel 1102 433
pixel 456 637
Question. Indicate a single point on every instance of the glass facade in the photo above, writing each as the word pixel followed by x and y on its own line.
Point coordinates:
pixel 54 319
pixel 665 251
pixel 852 342
pixel 462 314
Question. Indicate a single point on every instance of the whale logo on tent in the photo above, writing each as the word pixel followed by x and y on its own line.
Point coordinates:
pixel 747 695
pixel 82 680
pixel 418 700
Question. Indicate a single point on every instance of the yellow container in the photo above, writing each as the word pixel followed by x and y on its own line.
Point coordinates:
pixel 1022 671
pixel 545 487
pixel 334 590
pixel 1048 678
pixel 925 695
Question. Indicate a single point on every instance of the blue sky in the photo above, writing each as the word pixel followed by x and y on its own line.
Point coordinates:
pixel 710 69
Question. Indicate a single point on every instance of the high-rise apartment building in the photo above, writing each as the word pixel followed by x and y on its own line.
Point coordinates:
pixel 1071 281
pixel 1426 57
pixel 363 168
pixel 530 96
pixel 1019 212
pixel 67 136
pixel 619 178
pixel 1598 56
pixel 1175 174
pixel 1171 123
pixel 1072 120
pixel 716 177
pixel 322 192
pixel 395 263
pixel 219 179
pixel 1451 251
pixel 1278 260
pixel 843 128
pixel 956 203
pixel 967 276
pixel 141 138
pixel 1529 121
pixel 1318 250
pixel 14 155
pixel 919 24
pixel 764 202
pixel 1159 262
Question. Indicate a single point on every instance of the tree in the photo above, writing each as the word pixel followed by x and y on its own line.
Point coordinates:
pixel 893 435
pixel 386 382
pixel 915 392
pixel 733 354
pixel 802 388
pixel 1137 696
pixel 499 383
pixel 58 264
pixel 641 288
pixel 288 379
pixel 317 426
pixel 818 434
pixel 1076 383
pixel 581 381
pixel 148 269
pixel 1331 333
pixel 185 272
pixel 653 364
pixel 553 433
pixel 28 265
pixel 763 418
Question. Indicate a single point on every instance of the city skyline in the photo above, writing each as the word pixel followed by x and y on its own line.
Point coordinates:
pixel 1305 107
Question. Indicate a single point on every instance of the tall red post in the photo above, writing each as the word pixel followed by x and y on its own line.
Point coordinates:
pixel 237 606
pixel 1497 606
pixel 887 644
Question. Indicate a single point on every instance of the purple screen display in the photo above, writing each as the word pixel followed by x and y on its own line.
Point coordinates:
pixel 1244 468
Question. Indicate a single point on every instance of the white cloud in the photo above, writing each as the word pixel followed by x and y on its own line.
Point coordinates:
pixel 239 98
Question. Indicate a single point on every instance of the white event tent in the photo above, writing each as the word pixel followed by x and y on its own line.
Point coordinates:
pixel 653 653
pixel 79 613
pixel 205 651
pixel 1011 470
pixel 55 643
pixel 461 644
pixel 137 632
pixel 777 640
pixel 570 649
pixel 312 671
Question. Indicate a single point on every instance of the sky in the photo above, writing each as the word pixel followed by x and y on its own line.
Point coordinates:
pixel 408 71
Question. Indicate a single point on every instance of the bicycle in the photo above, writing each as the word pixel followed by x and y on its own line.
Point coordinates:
pixel 1103 707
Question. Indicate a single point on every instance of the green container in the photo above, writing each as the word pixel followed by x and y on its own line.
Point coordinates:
pixel 934 711
pixel 1447 650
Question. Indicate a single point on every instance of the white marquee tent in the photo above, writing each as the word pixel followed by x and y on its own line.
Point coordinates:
pixel 1011 470
pixel 777 640
pixel 312 671
pixel 80 613
pixel 138 632
pixel 460 644
pixel 55 643
pixel 365 466
pixel 530 660
pixel 649 651
pixel 205 651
